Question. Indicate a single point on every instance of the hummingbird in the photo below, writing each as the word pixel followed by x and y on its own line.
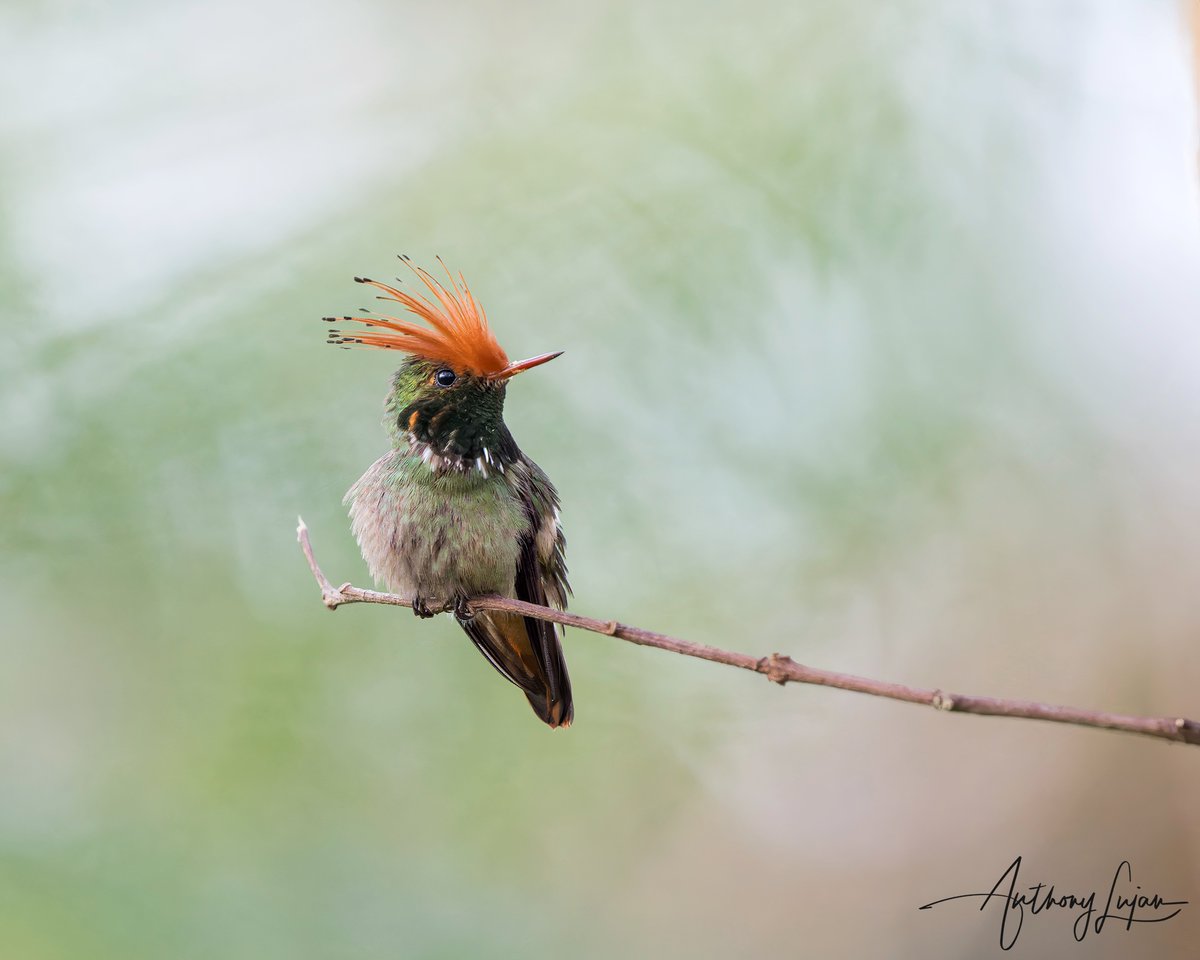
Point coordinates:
pixel 454 509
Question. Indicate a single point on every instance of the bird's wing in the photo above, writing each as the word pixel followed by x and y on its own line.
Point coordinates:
pixel 548 559
pixel 524 650
pixel 542 579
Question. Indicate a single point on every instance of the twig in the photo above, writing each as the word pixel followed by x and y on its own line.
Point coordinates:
pixel 782 669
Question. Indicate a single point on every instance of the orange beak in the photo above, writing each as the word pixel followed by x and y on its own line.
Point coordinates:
pixel 522 365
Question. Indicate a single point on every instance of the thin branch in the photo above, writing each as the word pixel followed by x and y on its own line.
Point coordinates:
pixel 782 669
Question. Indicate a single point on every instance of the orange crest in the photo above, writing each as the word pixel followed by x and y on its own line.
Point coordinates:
pixel 457 335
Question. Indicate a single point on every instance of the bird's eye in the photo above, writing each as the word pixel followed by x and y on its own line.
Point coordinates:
pixel 445 377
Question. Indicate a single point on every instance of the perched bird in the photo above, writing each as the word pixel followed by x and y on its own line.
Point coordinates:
pixel 455 510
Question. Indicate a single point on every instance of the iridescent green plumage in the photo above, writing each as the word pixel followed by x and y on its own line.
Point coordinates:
pixel 455 510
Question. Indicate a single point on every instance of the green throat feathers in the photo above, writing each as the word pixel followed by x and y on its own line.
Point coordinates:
pixel 452 420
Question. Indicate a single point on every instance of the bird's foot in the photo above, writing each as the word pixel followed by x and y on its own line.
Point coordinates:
pixel 462 609
pixel 420 606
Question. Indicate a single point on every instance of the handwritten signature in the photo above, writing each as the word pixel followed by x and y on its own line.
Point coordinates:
pixel 1121 906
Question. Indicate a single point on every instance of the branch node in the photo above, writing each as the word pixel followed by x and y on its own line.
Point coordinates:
pixel 611 628
pixel 942 701
pixel 333 598
pixel 776 667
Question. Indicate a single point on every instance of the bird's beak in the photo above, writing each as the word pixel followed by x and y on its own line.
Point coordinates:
pixel 522 365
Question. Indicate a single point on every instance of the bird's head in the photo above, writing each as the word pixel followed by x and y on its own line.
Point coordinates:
pixel 447 398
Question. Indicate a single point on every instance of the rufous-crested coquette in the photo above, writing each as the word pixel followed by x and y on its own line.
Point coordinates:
pixel 454 509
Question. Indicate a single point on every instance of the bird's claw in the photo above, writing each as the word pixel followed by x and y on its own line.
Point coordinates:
pixel 420 606
pixel 462 610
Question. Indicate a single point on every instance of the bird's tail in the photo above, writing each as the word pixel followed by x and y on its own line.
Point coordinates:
pixel 526 652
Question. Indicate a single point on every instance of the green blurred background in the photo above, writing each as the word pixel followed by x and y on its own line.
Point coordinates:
pixel 882 350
